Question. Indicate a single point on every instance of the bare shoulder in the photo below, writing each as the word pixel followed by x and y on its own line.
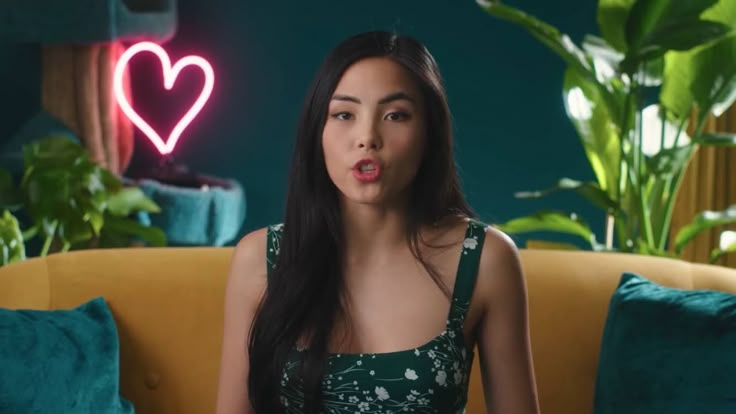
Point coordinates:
pixel 500 276
pixel 245 286
pixel 251 249
pixel 248 265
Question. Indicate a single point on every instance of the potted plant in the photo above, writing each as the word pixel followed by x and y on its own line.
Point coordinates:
pixel 682 53
pixel 69 202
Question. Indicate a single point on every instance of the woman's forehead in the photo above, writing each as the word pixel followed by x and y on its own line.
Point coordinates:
pixel 372 79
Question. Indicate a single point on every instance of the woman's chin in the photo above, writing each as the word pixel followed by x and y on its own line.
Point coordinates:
pixel 364 196
pixel 370 197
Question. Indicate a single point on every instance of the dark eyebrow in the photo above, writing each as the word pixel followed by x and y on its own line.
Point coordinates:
pixel 345 98
pixel 396 96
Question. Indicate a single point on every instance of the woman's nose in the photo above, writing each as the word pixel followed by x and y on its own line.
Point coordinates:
pixel 369 136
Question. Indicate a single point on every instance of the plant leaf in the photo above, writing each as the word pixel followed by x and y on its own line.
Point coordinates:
pixel 54 151
pixel 130 199
pixel 12 247
pixel 154 236
pixel 594 121
pixel 550 221
pixel 704 221
pixel 724 139
pixel 550 36
pixel 682 35
pixel 611 17
pixel 651 17
pixel 706 75
pixel 74 229
pixel 111 182
pixel 589 190
pixel 686 34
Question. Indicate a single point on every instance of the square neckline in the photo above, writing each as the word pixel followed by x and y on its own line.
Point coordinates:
pixel 461 335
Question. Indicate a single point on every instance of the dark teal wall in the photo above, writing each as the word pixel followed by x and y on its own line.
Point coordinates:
pixel 20 87
pixel 504 89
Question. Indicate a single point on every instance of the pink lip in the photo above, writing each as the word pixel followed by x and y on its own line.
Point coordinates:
pixel 367 176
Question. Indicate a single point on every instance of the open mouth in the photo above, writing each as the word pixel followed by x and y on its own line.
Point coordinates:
pixel 367 170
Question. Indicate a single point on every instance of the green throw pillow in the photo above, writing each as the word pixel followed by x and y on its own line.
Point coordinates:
pixel 667 350
pixel 61 361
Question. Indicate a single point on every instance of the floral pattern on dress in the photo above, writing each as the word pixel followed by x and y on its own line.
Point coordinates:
pixel 274 243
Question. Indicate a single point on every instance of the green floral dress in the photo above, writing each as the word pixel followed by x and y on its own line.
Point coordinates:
pixel 432 378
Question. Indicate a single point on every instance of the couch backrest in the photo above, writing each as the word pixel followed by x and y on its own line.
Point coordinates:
pixel 168 306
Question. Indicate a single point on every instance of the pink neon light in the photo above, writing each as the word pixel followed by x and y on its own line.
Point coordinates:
pixel 170 75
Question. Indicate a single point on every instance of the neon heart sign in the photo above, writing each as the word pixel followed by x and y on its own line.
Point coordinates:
pixel 170 75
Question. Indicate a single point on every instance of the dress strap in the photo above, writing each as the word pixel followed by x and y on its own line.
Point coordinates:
pixel 467 272
pixel 273 245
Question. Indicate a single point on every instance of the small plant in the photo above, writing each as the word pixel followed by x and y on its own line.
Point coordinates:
pixel 70 202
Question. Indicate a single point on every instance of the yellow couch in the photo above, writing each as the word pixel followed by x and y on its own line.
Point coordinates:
pixel 168 305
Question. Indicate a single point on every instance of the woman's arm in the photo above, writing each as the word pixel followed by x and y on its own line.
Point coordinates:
pixel 503 331
pixel 245 286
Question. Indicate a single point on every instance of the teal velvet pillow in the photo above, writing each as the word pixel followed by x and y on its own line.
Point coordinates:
pixel 61 361
pixel 667 350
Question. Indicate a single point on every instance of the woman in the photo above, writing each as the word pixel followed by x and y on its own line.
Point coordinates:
pixel 373 294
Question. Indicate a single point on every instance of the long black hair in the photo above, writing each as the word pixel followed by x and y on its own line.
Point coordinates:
pixel 304 296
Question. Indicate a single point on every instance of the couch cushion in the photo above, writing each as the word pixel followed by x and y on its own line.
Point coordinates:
pixel 667 350
pixel 61 361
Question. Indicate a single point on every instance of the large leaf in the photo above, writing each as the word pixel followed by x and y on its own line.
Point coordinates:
pixel 685 35
pixel 550 221
pixel 650 19
pixel 612 16
pixel 682 36
pixel 130 199
pixel 596 126
pixel 154 236
pixel 704 221
pixel 12 247
pixel 704 76
pixel 589 190
pixel 723 139
pixel 550 36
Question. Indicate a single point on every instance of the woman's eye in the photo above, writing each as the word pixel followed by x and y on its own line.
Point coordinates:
pixel 397 116
pixel 343 116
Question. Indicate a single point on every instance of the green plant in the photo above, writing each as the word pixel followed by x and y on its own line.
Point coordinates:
pixel 681 52
pixel 70 202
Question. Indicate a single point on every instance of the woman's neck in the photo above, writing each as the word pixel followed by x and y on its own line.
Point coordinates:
pixel 373 232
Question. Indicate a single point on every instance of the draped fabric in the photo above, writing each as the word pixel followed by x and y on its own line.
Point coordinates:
pixel 77 89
